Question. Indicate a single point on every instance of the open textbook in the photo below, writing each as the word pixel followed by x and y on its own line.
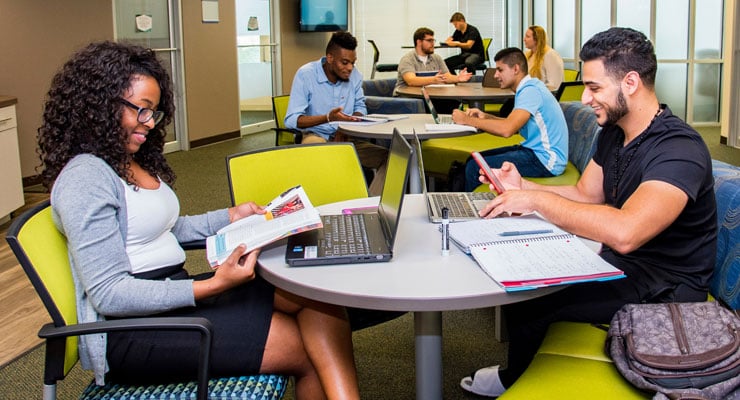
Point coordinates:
pixel 528 252
pixel 288 214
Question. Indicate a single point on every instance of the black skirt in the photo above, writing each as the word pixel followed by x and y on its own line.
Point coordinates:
pixel 241 321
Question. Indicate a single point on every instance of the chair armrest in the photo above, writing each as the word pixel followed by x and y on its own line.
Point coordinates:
pixel 56 336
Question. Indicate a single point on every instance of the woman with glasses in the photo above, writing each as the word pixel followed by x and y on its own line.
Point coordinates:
pixel 101 147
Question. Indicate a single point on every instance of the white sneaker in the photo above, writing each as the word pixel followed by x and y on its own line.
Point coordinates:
pixel 484 382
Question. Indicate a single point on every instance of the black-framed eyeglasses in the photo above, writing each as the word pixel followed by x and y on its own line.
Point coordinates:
pixel 144 114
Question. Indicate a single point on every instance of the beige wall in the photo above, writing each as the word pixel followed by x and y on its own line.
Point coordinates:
pixel 37 37
pixel 297 48
pixel 211 75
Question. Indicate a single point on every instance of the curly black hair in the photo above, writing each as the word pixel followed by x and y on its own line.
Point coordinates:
pixel 82 111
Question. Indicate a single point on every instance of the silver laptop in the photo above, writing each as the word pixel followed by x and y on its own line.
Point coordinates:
pixel 359 237
pixel 444 119
pixel 461 206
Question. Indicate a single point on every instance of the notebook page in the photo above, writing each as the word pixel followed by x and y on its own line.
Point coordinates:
pixel 541 261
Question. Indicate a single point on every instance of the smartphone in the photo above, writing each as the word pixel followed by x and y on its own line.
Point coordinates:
pixel 497 186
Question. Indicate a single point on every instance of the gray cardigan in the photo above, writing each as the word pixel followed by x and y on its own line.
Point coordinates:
pixel 89 207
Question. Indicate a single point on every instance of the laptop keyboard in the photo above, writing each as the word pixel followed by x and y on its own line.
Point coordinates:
pixel 445 119
pixel 458 205
pixel 345 234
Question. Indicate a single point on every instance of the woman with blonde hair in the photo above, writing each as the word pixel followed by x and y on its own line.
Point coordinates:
pixel 544 62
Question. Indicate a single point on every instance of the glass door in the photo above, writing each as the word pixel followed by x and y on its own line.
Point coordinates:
pixel 153 24
pixel 256 55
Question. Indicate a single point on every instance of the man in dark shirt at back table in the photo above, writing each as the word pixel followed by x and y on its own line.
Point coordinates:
pixel 467 38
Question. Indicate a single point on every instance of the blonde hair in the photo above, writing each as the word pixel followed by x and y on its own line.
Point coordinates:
pixel 538 53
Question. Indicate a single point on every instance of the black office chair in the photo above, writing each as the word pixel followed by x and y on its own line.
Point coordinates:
pixel 380 67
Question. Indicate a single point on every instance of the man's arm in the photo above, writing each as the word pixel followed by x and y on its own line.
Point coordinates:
pixel 580 210
pixel 504 127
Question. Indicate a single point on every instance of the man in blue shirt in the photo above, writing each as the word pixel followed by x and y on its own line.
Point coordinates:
pixel 537 116
pixel 328 91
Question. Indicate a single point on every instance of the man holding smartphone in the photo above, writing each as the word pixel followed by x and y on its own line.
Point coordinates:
pixel 536 116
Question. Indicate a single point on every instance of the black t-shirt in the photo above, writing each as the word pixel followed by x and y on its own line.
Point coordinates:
pixel 470 34
pixel 672 152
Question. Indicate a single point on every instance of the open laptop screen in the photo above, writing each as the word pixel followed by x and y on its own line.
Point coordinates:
pixel 394 187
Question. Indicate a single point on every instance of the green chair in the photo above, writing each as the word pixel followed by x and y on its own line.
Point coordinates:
pixel 329 172
pixel 42 252
pixel 570 75
pixel 283 135
pixel 570 91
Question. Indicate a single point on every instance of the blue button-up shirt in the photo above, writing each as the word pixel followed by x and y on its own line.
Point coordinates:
pixel 313 94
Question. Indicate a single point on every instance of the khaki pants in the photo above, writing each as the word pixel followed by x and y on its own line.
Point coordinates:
pixel 371 156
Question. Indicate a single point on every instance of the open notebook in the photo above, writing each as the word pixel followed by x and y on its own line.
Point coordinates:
pixel 528 252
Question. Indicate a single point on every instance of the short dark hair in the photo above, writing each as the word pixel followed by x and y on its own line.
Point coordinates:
pixel 341 39
pixel 458 16
pixel 512 56
pixel 421 32
pixel 623 50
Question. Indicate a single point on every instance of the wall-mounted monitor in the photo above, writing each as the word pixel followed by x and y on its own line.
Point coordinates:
pixel 323 15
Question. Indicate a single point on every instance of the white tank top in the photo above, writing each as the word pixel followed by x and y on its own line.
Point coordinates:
pixel 150 243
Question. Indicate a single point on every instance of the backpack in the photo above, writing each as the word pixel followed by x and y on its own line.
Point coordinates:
pixel 678 350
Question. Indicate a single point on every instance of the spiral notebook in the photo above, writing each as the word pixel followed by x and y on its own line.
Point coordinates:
pixel 528 252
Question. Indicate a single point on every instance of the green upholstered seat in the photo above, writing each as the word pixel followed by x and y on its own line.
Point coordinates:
pixel 440 153
pixel 590 343
pixel 555 377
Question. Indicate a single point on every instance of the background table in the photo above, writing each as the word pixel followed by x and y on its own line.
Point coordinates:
pixel 406 127
pixel 472 93
pixel 418 279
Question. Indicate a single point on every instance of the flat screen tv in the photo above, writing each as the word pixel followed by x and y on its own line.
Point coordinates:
pixel 323 15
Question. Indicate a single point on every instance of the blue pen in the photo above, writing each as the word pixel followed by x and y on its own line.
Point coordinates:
pixel 521 233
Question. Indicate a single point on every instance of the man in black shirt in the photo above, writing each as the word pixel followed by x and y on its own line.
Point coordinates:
pixel 647 195
pixel 468 39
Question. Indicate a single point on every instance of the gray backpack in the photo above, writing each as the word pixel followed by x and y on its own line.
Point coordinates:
pixel 678 350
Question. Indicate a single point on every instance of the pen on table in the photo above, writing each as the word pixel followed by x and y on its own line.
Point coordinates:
pixel 445 231
pixel 521 233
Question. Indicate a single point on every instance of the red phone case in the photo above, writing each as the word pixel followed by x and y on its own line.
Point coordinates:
pixel 497 185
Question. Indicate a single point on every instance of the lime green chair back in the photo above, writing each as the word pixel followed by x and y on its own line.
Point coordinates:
pixel 328 172
pixel 570 75
pixel 486 44
pixel 42 252
pixel 570 91
pixel 283 135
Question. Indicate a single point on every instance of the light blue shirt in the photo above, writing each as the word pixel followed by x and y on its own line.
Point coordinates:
pixel 546 132
pixel 313 94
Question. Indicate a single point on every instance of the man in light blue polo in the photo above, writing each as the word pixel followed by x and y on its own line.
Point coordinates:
pixel 328 91
pixel 537 116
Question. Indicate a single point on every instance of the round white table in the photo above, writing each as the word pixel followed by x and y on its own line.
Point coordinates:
pixel 418 278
